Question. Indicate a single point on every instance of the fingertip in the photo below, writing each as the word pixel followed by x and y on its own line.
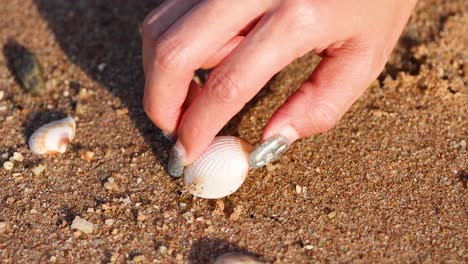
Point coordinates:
pixel 281 123
pixel 286 130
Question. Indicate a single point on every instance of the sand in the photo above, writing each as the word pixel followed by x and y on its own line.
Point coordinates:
pixel 387 184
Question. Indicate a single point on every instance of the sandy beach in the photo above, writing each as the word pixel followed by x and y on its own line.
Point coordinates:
pixel 387 185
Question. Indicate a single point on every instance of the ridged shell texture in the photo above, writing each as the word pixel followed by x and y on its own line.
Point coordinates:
pixel 220 170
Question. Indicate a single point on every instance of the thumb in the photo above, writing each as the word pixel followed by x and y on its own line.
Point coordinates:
pixel 319 103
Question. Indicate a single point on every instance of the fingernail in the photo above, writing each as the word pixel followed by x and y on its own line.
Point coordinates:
pixel 269 151
pixel 175 166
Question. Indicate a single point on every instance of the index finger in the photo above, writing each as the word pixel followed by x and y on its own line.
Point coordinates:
pixel 154 26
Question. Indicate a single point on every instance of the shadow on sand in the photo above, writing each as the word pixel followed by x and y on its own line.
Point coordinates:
pixel 94 33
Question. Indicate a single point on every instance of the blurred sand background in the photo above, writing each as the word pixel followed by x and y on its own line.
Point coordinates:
pixel 388 184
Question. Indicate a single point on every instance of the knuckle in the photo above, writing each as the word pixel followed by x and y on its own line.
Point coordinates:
pixel 224 87
pixel 169 54
pixel 324 117
pixel 320 117
pixel 300 13
pixel 371 56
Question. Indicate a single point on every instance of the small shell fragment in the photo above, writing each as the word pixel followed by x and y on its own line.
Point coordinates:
pixel 8 165
pixel 37 170
pixel 18 156
pixel 236 258
pixel 220 170
pixel 54 137
pixel 82 225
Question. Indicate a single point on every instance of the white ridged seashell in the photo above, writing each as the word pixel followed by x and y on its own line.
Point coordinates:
pixel 54 137
pixel 220 170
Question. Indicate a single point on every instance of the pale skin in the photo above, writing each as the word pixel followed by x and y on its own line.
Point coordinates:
pixel 247 42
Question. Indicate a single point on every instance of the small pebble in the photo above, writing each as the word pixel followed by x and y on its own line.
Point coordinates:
pixel 33 211
pixel 66 93
pixel 126 200
pixel 139 259
pixel 179 257
pixel 87 155
pixel 109 222
pixel 331 215
pixel 141 217
pixel 38 169
pixel 10 200
pixel 2 94
pixel 271 167
pixel 83 94
pixel 463 144
pixel 162 249
pixel 82 225
pixel 98 242
pixel 3 225
pixel 298 189
pixel 187 215
pixel 209 229
pixel 53 259
pixel 309 247
pixel 121 112
pixel 90 210
pixel 236 213
pixel 113 258
pixel 8 165
pixel 101 66
pixel 139 180
pixel 110 184
pixel 80 109
pixel 18 156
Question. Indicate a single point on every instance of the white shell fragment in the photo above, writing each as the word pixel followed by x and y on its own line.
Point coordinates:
pixel 220 170
pixel 82 225
pixel 54 137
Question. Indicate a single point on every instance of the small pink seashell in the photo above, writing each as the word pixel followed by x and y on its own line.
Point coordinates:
pixel 54 137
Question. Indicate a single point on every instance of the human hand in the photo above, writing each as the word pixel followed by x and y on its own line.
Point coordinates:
pixel 250 41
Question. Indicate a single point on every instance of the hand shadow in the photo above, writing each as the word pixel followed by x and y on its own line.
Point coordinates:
pixel 96 33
